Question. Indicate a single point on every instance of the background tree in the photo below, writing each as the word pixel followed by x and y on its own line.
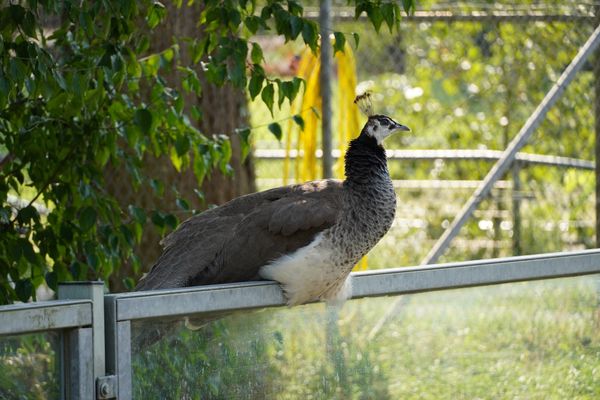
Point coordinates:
pixel 225 111
pixel 97 95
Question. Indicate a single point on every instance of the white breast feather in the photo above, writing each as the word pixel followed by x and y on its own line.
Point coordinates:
pixel 308 274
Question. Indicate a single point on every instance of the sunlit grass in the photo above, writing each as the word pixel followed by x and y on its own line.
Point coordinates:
pixel 537 340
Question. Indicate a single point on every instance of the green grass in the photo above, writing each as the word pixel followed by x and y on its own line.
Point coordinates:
pixel 537 340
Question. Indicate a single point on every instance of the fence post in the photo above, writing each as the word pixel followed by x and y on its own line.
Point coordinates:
pixel 118 349
pixel 93 291
pixel 77 371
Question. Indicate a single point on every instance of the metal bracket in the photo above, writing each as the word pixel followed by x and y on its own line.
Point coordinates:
pixel 106 387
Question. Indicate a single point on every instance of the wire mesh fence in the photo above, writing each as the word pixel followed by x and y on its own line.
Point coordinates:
pixel 467 76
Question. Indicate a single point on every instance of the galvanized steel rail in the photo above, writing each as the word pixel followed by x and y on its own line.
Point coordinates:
pixel 78 319
pixel 240 296
pixel 42 316
pixel 74 319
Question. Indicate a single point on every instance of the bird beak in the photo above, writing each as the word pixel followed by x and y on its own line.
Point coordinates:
pixel 400 127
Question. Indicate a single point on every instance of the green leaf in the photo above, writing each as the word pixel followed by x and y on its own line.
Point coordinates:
pixel 309 35
pixel 18 71
pixel 283 91
pixel 289 90
pixel 28 24
pixel 182 145
pixel 78 270
pixel 409 6
pixel 282 23
pixel 356 39
pixel 376 17
pixel 296 82
pixel 129 283
pixel 237 73
pixel 127 235
pixel 295 8
pixel 158 187
pixel 157 219
pixel 267 96
pixel 340 42
pixel 296 25
pixel 255 85
pixel 176 159
pixel 24 289
pixel 387 10
pixel 275 129
pixel 234 19
pixel 87 218
pixel 170 221
pixel 155 14
pixel 244 135
pixel 256 55
pixel 28 214
pixel 143 120
pixel 299 121
pixel 216 74
pixel 183 204
pixel 52 280
pixel 91 258
pixel 225 157
pixel 361 7
pixel 16 13
pixel 252 23
pixel 27 251
pixel 137 213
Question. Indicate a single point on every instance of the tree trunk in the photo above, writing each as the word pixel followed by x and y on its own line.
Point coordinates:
pixel 224 109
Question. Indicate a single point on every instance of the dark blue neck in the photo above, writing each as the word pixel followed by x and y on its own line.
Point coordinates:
pixel 365 161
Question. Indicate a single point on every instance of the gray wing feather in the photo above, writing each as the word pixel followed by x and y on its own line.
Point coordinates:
pixel 231 242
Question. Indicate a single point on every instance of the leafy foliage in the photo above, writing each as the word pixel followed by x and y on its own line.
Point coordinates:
pixel 29 366
pixel 82 95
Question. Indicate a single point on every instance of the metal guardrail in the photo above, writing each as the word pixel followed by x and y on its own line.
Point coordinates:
pixel 238 296
pixel 74 319
pixel 43 316
pixel 122 309
pixel 105 368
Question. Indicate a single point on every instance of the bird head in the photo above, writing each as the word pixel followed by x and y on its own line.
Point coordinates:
pixel 382 126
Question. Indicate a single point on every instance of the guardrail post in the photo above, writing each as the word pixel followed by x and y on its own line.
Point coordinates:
pixel 78 370
pixel 118 349
pixel 93 291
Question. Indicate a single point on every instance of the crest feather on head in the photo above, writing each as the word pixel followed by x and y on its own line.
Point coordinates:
pixel 364 103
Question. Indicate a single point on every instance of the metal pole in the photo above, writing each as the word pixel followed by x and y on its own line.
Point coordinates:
pixel 325 81
pixel 515 145
pixel 597 129
pixel 94 291
pixel 516 208
pixel 79 372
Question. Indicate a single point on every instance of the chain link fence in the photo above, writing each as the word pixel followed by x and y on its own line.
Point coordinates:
pixel 468 76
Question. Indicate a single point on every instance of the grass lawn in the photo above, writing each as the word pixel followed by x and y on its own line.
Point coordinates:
pixel 536 340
